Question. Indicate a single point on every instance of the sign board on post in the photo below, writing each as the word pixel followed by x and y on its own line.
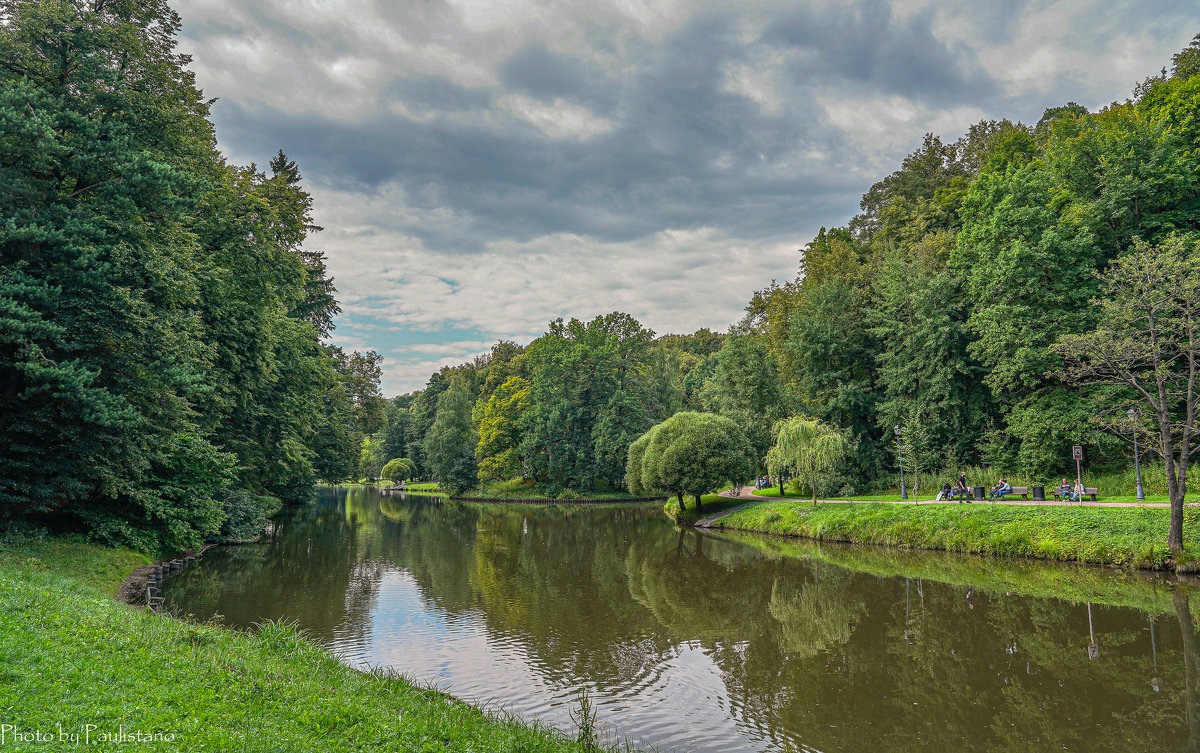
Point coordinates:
pixel 1077 453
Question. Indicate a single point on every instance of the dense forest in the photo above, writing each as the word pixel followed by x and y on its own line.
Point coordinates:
pixel 162 375
pixel 940 308
pixel 165 376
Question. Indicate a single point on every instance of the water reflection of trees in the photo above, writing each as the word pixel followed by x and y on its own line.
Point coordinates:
pixel 807 650
pixel 310 567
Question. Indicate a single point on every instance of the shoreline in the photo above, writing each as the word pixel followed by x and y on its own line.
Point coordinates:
pixel 1127 537
pixel 216 688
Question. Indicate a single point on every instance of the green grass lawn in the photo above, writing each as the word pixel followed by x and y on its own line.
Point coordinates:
pixel 1110 536
pixel 427 488
pixel 792 492
pixel 712 504
pixel 72 656
pixel 924 496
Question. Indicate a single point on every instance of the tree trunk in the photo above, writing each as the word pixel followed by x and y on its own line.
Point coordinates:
pixel 681 507
pixel 1175 532
pixel 1175 491
pixel 699 503
pixel 814 491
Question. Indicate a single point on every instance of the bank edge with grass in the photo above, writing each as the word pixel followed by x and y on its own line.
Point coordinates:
pixel 1133 537
pixel 73 657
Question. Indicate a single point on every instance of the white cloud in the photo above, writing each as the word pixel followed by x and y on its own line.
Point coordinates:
pixel 658 157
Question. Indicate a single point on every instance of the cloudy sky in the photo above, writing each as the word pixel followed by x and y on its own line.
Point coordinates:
pixel 482 167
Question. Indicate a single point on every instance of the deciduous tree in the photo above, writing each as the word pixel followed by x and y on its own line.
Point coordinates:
pixel 1147 342
pixel 806 449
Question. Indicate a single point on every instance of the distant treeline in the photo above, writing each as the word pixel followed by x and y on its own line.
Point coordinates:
pixel 936 308
pixel 162 376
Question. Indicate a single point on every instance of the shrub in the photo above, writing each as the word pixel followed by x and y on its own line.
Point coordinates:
pixel 245 516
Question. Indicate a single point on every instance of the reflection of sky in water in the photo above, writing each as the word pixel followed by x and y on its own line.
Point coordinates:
pixel 684 701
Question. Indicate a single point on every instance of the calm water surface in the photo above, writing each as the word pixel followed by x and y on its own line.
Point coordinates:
pixel 690 642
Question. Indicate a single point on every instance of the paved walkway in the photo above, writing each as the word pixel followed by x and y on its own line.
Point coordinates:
pixel 748 494
pixel 708 521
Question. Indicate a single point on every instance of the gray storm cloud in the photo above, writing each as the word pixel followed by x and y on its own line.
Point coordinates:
pixel 574 158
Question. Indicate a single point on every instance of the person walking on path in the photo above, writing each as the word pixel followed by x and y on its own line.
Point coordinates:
pixel 960 488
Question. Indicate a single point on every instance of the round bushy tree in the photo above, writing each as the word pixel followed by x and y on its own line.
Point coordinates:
pixel 398 469
pixel 689 453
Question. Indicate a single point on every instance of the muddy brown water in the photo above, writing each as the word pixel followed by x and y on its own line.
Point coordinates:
pixel 689 642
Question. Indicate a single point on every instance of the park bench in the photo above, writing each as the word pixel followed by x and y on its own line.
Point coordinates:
pixel 1053 492
pixel 1023 492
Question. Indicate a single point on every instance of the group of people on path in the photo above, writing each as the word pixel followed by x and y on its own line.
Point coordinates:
pixel 762 482
pixel 960 491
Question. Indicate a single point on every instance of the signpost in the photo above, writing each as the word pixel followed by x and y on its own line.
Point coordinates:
pixel 1077 453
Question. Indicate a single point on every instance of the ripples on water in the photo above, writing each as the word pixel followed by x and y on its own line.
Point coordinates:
pixel 694 643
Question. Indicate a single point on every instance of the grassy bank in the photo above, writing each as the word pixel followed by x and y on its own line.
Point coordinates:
pixel 1106 536
pixel 425 488
pixel 929 494
pixel 712 504
pixel 72 657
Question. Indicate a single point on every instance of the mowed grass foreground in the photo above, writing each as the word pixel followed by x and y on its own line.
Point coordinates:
pixel 71 656
pixel 1104 536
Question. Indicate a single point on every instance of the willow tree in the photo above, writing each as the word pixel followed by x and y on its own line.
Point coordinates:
pixel 806 449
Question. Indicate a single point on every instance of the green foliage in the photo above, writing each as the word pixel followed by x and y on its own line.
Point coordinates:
pixel 159 312
pixel 451 441
pixel 689 453
pixel 370 459
pixel 1186 62
pixel 806 450
pixel 577 370
pixel 245 516
pixel 1145 350
pixel 500 430
pixel 746 387
pixel 398 469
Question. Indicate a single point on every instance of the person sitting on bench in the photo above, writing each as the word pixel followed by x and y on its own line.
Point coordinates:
pixel 1077 492
pixel 1064 491
pixel 945 494
pixel 999 490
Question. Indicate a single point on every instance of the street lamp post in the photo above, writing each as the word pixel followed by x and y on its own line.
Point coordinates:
pixel 1134 414
pixel 900 456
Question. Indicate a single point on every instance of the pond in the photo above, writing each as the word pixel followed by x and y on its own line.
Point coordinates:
pixel 693 642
